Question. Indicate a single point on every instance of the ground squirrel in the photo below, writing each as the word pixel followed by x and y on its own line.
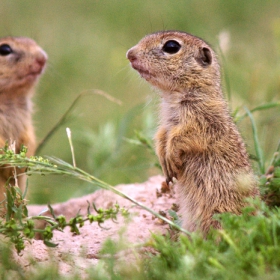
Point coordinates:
pixel 197 141
pixel 21 63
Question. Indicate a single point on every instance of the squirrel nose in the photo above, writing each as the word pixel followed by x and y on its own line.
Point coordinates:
pixel 130 55
pixel 41 61
pixel 42 58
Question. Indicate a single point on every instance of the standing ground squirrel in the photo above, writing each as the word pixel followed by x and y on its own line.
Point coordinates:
pixel 21 63
pixel 197 141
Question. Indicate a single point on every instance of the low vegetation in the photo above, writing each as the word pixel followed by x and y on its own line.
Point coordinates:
pixel 248 246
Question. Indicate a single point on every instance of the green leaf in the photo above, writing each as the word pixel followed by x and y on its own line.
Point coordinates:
pixel 50 244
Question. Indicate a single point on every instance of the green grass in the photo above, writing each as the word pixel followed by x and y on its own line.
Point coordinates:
pixel 248 244
pixel 246 248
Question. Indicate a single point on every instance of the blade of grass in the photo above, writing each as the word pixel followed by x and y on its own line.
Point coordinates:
pixel 68 131
pixel 258 149
pixel 226 77
pixel 259 108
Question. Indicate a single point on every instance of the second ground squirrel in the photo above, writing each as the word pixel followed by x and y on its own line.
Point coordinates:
pixel 21 63
pixel 197 141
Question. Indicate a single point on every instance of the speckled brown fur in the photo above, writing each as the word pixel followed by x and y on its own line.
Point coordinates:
pixel 197 142
pixel 20 67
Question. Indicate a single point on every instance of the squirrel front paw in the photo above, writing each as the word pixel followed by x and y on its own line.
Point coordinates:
pixel 172 168
pixel 168 172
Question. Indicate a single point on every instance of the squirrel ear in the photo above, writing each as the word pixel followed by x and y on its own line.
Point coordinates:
pixel 204 57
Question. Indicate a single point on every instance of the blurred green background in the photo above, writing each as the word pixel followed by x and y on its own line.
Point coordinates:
pixel 86 42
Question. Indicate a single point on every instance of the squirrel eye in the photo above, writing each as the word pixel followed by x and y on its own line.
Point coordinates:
pixel 171 47
pixel 5 49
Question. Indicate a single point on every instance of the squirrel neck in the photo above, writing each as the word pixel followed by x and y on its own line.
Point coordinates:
pixel 15 117
pixel 15 103
pixel 16 99
pixel 187 107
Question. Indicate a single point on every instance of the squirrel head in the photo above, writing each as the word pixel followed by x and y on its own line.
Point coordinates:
pixel 21 63
pixel 175 61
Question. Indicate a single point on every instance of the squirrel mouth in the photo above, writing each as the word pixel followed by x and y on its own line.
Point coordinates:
pixel 144 73
pixel 30 77
pixel 32 74
pixel 35 74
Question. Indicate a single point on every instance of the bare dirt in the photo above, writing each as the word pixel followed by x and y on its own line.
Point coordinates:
pixel 75 253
